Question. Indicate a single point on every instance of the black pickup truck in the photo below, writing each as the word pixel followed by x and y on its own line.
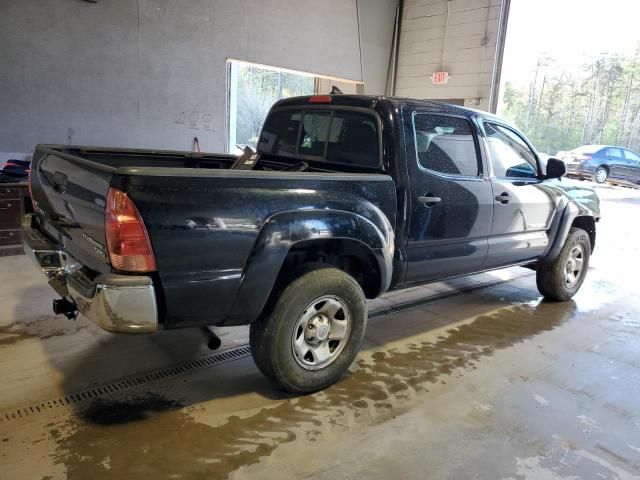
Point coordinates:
pixel 347 197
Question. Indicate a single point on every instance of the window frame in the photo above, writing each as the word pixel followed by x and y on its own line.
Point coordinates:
pixel 607 149
pixel 474 136
pixel 332 108
pixel 539 174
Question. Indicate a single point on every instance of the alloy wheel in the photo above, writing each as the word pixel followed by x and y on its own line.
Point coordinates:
pixel 321 332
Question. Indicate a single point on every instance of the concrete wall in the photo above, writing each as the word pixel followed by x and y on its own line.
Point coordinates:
pixel 152 73
pixel 469 48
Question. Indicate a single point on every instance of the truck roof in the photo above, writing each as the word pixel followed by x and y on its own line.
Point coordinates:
pixel 369 101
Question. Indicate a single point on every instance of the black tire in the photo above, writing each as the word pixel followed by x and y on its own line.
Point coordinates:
pixel 258 350
pixel 551 277
pixel 271 337
pixel 601 175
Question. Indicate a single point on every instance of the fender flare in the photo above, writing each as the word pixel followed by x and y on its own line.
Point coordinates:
pixel 560 232
pixel 284 230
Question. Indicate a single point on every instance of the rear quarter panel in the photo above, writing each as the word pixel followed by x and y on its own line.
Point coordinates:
pixel 203 228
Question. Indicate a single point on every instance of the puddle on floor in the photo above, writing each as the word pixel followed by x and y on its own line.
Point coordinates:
pixel 13 333
pixel 43 328
pixel 152 437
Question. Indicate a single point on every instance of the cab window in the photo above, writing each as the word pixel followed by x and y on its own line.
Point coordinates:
pixel 445 145
pixel 333 136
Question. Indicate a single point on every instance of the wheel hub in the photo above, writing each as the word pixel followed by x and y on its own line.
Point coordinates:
pixel 574 266
pixel 321 332
pixel 317 330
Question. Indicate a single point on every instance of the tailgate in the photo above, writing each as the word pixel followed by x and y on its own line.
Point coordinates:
pixel 69 197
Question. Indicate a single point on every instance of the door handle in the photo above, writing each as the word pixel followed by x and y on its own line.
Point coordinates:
pixel 503 198
pixel 429 200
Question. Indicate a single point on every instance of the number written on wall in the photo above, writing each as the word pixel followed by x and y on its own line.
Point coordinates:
pixel 195 120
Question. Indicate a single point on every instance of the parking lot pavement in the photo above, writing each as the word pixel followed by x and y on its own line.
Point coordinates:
pixel 472 378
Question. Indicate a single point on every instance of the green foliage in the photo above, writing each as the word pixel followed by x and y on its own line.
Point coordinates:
pixel 258 89
pixel 600 104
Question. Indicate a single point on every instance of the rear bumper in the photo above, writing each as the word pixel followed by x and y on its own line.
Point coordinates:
pixel 579 170
pixel 116 303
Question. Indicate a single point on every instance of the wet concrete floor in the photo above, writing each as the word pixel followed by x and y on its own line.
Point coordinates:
pixel 473 378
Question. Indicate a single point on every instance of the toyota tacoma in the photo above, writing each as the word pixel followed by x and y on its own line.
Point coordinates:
pixel 345 198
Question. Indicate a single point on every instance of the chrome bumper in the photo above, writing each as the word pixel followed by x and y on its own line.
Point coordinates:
pixel 116 303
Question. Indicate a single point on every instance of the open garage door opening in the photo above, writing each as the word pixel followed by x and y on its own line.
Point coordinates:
pixel 575 92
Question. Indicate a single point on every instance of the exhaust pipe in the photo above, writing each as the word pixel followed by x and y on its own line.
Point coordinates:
pixel 64 307
pixel 213 340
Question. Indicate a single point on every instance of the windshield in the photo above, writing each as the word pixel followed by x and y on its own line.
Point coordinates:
pixel 333 136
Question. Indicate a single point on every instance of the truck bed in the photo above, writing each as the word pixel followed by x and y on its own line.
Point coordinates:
pixel 111 159
pixel 204 220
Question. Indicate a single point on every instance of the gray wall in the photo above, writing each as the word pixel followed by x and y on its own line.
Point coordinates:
pixel 151 73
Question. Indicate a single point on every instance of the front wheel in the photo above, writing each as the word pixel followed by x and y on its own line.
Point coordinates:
pixel 561 279
pixel 313 333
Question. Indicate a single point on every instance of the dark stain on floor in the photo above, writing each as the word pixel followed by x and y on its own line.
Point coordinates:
pixel 152 437
pixel 13 333
pixel 104 412
pixel 43 328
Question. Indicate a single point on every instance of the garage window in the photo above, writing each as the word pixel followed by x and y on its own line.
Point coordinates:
pixel 254 88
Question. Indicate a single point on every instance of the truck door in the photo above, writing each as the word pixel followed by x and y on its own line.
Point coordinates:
pixel 523 206
pixel 451 201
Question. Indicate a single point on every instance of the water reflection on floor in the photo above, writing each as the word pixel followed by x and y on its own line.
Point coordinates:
pixel 495 383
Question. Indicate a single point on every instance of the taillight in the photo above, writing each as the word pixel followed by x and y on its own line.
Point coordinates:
pixel 583 158
pixel 127 239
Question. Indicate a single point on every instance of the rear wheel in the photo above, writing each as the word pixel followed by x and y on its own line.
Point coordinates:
pixel 313 333
pixel 601 174
pixel 561 279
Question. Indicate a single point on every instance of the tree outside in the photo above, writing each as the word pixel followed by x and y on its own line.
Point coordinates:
pixel 586 92
pixel 258 88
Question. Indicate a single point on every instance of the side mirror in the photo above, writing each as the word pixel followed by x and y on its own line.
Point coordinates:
pixel 555 168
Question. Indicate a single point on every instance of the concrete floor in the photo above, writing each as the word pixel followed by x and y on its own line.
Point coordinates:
pixel 474 378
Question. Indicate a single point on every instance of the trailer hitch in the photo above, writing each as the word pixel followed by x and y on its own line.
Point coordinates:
pixel 62 306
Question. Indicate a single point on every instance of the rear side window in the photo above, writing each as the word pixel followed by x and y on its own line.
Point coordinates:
pixel 334 136
pixel 446 145
pixel 613 152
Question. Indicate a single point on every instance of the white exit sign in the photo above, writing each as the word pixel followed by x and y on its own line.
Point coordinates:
pixel 439 78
